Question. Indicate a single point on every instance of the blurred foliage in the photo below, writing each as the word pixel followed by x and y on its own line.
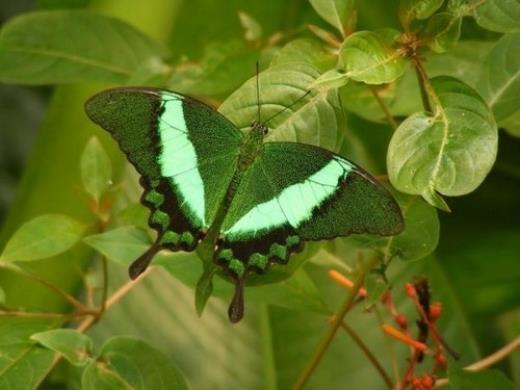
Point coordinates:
pixel 80 200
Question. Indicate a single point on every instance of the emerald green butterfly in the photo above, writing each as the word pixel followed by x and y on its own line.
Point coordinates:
pixel 252 203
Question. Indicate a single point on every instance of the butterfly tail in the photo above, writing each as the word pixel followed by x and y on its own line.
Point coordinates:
pixel 236 307
pixel 143 261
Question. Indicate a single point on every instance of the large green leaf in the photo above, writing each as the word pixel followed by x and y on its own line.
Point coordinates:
pixel 443 31
pixel 42 237
pixel 450 152
pixel 500 81
pixel 372 57
pixel 23 364
pixel 73 46
pixel 127 363
pixel 498 15
pixel 315 119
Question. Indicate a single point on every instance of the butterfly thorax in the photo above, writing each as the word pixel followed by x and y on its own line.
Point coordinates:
pixel 252 145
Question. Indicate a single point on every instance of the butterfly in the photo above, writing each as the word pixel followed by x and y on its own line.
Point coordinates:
pixel 253 203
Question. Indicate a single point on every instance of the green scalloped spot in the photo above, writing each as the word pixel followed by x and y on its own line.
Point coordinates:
pixel 293 241
pixel 258 260
pixel 154 198
pixel 225 255
pixel 170 238
pixel 161 218
pixel 187 239
pixel 237 267
pixel 279 251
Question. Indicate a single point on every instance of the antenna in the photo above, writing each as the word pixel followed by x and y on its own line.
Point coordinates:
pixel 258 90
pixel 286 108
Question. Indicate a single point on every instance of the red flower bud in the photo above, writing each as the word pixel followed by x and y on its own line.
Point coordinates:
pixel 410 290
pixel 441 360
pixel 427 381
pixel 435 310
pixel 401 321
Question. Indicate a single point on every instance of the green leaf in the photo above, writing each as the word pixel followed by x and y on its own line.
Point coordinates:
pixel 314 119
pixel 44 236
pixel 331 79
pixel 222 68
pixel 443 31
pixel 461 379
pixel 498 15
pixel 372 57
pixel 450 152
pixel 336 12
pixel 74 346
pixel 96 169
pixel 203 291
pixel 419 237
pixel 23 364
pixel 252 29
pixel 499 82
pixel 121 245
pixel 127 363
pixel 64 46
pixel 375 286
pixel 418 9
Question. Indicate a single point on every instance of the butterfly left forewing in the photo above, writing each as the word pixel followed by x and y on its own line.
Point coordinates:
pixel 185 152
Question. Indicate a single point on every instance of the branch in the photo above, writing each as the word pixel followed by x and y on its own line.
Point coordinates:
pixel 20 271
pixel 383 106
pixel 336 324
pixel 368 354
pixel 488 361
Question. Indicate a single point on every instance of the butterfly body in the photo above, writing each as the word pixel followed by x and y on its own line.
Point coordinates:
pixel 248 202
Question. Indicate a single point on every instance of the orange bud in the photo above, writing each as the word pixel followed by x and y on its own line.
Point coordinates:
pixel 397 334
pixel 416 383
pixel 435 310
pixel 345 282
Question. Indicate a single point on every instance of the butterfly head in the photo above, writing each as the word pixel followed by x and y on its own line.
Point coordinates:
pixel 259 128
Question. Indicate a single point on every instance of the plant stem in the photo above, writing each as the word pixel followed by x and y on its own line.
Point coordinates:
pixel 488 361
pixel 104 295
pixel 368 354
pixel 336 323
pixel 28 314
pixel 20 271
pixel 424 82
pixel 386 111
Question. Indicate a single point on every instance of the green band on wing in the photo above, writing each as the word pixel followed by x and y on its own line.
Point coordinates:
pixel 295 204
pixel 178 159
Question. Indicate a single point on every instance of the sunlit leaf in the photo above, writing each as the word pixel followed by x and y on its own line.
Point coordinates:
pixel 96 169
pixel 312 118
pixel 500 82
pixel 450 152
pixel 121 245
pixel 372 57
pixel 336 12
pixel 498 15
pixel 74 346
pixel 44 236
pixel 252 29
pixel 331 79
pixel 443 31
pixel 65 46
pixel 127 363
pixel 418 9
